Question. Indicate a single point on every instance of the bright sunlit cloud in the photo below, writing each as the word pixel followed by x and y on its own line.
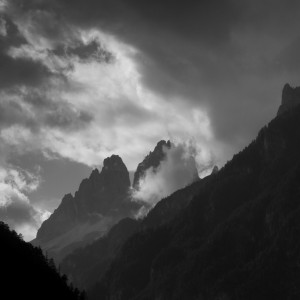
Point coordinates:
pixel 86 102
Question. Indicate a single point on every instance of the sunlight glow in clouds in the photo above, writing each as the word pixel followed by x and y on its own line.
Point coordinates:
pixel 125 113
pixel 87 109
pixel 180 74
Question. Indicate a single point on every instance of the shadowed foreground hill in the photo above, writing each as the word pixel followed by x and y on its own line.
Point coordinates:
pixel 27 274
pixel 237 239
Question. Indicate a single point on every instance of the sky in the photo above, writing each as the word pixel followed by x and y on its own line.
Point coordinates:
pixel 82 80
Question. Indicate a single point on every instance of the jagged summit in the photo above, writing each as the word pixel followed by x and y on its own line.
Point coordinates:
pixel 114 162
pixel 153 159
pixel 102 198
pixel 94 173
pixel 161 144
pixel 215 170
pixel 114 172
pixel 290 98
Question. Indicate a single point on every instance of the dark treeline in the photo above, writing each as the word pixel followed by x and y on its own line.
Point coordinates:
pixel 25 273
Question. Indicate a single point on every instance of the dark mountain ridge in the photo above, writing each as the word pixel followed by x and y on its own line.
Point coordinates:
pixel 290 98
pixel 236 239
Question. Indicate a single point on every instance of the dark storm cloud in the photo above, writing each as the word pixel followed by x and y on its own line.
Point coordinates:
pixel 28 30
pixel 89 52
pixel 229 57
pixel 17 213
pixel 21 71
pixel 209 19
pixel 35 110
pixel 18 71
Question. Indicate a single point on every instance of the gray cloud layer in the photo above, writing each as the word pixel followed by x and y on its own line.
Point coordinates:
pixel 230 57
pixel 227 58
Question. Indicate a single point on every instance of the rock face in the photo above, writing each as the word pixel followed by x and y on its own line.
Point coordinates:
pixel 87 265
pixel 290 99
pixel 101 201
pixel 153 159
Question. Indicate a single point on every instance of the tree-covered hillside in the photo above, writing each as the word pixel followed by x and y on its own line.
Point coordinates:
pixel 27 274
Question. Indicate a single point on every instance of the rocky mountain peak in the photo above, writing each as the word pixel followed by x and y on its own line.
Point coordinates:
pixel 101 199
pixel 152 160
pixel 215 170
pixel 67 199
pixel 114 163
pixel 95 173
pixel 115 173
pixel 160 146
pixel 290 98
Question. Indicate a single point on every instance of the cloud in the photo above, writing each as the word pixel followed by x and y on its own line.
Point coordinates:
pixel 35 108
pixel 15 207
pixel 175 172
pixel 221 57
pixel 75 94
pixel 204 70
pixel 18 70
pixel 86 109
pixel 3 31
pixel 90 51
pixel 93 117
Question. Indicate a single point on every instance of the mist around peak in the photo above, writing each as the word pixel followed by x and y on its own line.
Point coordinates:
pixel 177 170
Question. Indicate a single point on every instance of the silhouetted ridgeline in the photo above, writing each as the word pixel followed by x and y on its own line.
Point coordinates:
pixel 238 238
pixel 25 273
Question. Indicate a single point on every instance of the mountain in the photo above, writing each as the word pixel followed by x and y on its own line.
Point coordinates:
pixel 100 202
pixel 87 265
pixel 27 274
pixel 237 238
pixel 152 160
pixel 290 99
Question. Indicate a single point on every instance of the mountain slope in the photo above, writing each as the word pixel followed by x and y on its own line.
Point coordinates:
pixel 237 239
pixel 87 265
pixel 100 202
pixel 27 274
pixel 84 271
